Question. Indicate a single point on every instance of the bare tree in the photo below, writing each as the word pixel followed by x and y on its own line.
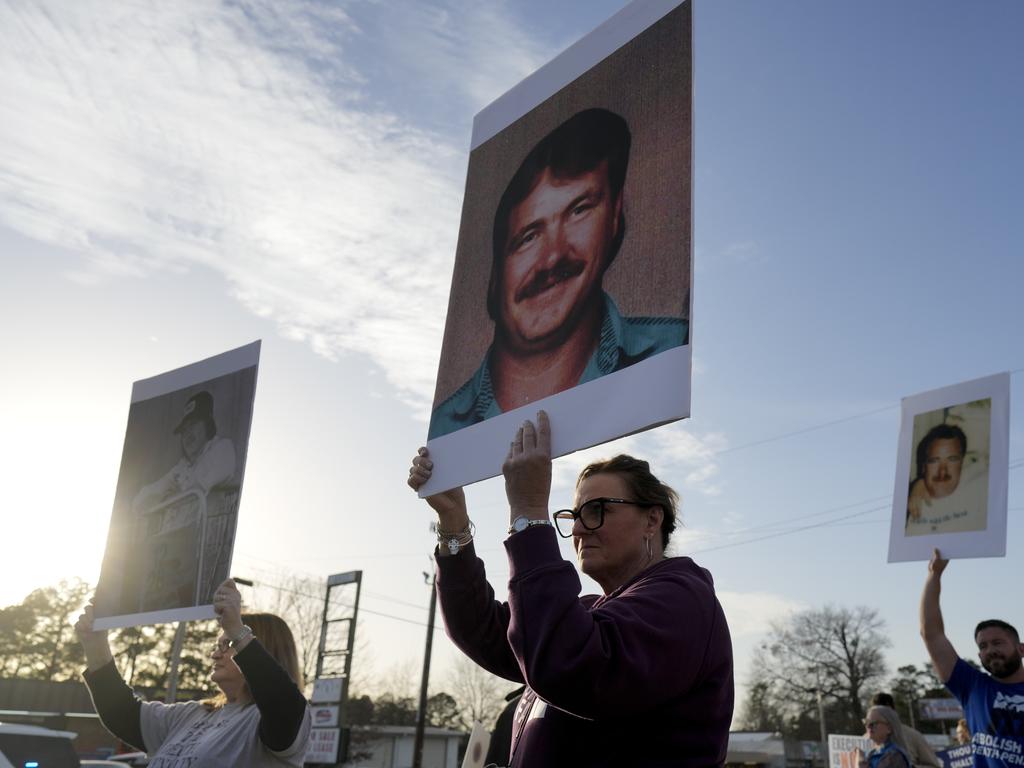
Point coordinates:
pixel 401 680
pixel 299 600
pixel 835 651
pixel 481 695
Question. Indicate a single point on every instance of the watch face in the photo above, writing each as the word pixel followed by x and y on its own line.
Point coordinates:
pixel 521 523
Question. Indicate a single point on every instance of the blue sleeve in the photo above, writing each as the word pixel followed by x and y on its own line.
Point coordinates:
pixel 962 681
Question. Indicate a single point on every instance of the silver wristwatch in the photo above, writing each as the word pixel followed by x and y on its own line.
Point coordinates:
pixel 522 522
pixel 245 633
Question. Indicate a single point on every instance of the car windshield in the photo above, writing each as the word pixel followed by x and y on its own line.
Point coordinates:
pixel 45 751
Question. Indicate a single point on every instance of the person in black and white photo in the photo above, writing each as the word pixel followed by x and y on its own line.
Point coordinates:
pixel 206 459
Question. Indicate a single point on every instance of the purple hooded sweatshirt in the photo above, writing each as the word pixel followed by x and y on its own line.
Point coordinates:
pixel 641 677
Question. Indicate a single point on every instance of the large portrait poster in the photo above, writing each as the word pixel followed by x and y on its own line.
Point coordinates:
pixel 172 530
pixel 951 472
pixel 572 279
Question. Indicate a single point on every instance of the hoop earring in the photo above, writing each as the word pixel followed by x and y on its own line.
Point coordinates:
pixel 647 542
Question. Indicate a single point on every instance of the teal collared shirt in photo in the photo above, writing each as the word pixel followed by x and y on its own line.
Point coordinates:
pixel 624 341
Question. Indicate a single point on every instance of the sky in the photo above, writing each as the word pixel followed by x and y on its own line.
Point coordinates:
pixel 180 179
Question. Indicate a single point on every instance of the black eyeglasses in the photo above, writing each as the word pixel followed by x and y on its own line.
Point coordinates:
pixel 221 646
pixel 591 514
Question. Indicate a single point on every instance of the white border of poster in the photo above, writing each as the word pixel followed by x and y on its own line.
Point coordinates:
pixel 990 541
pixel 225 364
pixel 596 411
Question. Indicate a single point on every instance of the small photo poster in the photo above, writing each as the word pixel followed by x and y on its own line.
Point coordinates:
pixel 571 290
pixel 952 472
pixel 172 530
pixel 843 750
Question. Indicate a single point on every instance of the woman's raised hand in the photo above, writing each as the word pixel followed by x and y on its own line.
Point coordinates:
pixel 449 505
pixel 527 469
pixel 227 604
pixel 94 641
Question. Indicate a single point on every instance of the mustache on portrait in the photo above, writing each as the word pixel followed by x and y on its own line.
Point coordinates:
pixel 564 269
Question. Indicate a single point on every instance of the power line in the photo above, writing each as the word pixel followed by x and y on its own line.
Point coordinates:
pixel 788 532
pixel 362 609
pixel 804 430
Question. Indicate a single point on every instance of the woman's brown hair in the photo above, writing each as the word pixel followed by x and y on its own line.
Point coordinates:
pixel 274 635
pixel 643 486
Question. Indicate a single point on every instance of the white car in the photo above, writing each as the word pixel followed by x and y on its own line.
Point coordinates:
pixel 32 746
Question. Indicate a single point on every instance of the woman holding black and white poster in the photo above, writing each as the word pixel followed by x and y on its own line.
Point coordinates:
pixel 259 718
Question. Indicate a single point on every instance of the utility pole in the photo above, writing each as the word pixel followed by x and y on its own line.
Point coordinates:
pixel 421 715
pixel 172 675
pixel 824 733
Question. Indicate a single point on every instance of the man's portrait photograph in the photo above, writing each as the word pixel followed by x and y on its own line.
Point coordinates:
pixel 948 487
pixel 574 254
pixel 175 511
pixel 952 472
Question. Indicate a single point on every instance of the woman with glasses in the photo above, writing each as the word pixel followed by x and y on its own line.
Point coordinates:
pixel 640 675
pixel 259 718
pixel 886 733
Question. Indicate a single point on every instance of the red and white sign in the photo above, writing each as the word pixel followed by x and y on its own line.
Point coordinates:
pixel 940 709
pixel 324 715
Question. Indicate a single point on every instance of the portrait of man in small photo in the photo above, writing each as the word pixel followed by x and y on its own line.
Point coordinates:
pixel 573 259
pixel 948 486
pixel 176 506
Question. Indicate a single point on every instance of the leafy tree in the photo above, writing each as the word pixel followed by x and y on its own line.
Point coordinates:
pixel 359 710
pixel 195 663
pixel 394 710
pixel 762 712
pixel 142 654
pixel 41 634
pixel 16 623
pixel 836 652
pixel 443 712
pixel 909 686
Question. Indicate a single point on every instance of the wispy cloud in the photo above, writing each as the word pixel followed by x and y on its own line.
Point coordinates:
pixel 752 613
pixel 677 456
pixel 744 252
pixel 241 138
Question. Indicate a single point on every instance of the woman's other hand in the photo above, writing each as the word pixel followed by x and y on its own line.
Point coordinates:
pixel 227 603
pixel 527 470
pixel 94 641
pixel 449 505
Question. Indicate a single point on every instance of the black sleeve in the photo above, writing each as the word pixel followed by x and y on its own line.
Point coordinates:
pixel 116 704
pixel 280 702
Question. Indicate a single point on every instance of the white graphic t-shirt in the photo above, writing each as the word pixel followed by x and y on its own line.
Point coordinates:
pixel 189 735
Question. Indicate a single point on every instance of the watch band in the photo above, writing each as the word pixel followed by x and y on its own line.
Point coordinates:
pixel 522 522
pixel 245 633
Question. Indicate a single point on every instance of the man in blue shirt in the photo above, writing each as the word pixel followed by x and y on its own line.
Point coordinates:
pixel 557 229
pixel 993 703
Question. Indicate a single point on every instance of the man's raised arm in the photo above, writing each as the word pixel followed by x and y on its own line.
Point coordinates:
pixel 933 630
